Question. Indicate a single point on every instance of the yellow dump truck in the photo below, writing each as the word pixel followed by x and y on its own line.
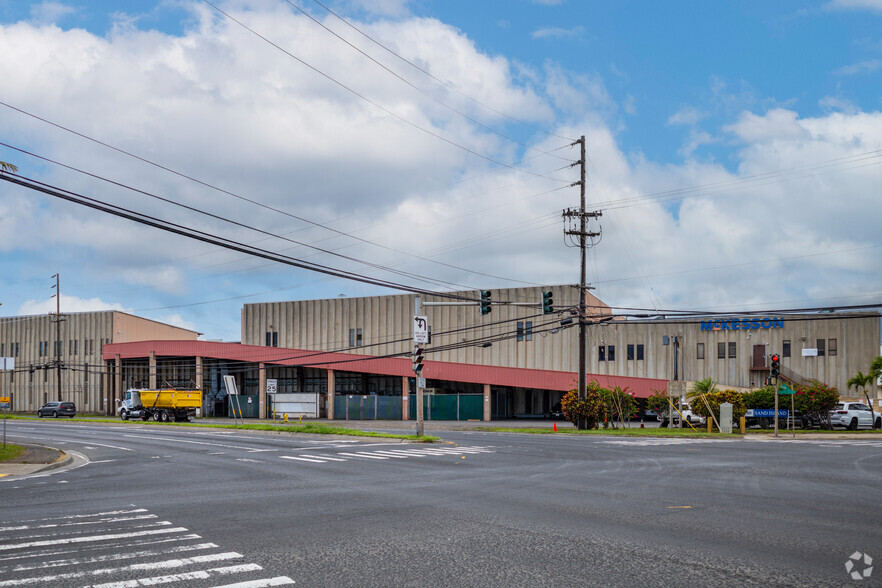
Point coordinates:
pixel 166 404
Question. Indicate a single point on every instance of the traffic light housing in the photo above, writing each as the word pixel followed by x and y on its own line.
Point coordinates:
pixel 417 359
pixel 485 302
pixel 547 302
pixel 775 365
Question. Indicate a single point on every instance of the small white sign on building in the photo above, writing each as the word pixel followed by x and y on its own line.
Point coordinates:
pixel 420 329
pixel 7 363
pixel 272 385
pixel 810 352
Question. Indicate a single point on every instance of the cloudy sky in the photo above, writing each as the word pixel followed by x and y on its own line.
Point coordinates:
pixel 733 149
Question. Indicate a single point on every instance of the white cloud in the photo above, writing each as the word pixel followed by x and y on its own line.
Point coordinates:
pixel 874 5
pixel 688 115
pixel 68 304
pixel 867 66
pixel 558 33
pixel 47 12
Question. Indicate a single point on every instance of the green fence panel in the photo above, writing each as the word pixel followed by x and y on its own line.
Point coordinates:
pixel 442 407
pixel 471 407
pixel 389 408
pixel 249 410
pixel 339 408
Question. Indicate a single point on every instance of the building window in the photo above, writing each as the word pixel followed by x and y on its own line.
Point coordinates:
pixel 2 349
pixel 601 353
pixel 59 348
pixel 831 347
pixel 272 339
pixel 520 331
pixel 785 351
pixel 639 352
pixel 732 347
pixel 15 346
pixel 358 339
pixel 529 332
pixel 611 353
pixel 73 347
pixel 629 352
pixel 699 351
pixel 352 337
pixel 721 351
pixel 44 348
pixel 820 348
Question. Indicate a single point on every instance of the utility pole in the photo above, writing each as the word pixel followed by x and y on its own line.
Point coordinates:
pixel 579 237
pixel 57 296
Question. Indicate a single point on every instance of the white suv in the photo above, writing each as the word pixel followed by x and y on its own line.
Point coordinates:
pixel 688 416
pixel 852 415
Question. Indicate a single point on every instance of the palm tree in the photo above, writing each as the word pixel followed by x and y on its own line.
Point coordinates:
pixel 7 167
pixel 861 381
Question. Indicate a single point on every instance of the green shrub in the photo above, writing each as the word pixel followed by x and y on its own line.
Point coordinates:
pixel 592 408
pixel 760 398
pixel 715 399
pixel 816 399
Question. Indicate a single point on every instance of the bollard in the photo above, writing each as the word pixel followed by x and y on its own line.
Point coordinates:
pixel 742 425
pixel 286 417
pixel 710 425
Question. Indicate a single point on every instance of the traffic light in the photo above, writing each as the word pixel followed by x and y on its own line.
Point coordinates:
pixel 547 303
pixel 417 359
pixel 775 366
pixel 485 302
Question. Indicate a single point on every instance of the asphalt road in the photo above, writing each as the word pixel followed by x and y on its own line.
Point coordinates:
pixel 191 507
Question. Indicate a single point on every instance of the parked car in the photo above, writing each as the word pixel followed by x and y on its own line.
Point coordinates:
pixel 57 409
pixel 688 416
pixel 853 415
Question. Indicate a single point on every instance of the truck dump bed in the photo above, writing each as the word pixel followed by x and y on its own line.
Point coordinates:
pixel 171 398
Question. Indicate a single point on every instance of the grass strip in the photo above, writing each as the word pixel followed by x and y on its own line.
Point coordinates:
pixel 10 452
pixel 625 432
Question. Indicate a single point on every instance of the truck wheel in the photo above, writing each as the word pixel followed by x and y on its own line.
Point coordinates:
pixel 164 416
pixel 853 425
pixel 145 416
pixel 156 416
pixel 54 414
pixel 123 415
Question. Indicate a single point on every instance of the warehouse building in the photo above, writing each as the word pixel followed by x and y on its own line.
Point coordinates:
pixel 59 357
pixel 351 357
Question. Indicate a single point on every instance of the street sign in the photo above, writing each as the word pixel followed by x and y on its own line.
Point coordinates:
pixel 5 402
pixel 769 413
pixel 420 329
pixel 272 385
pixel 421 382
pixel 785 389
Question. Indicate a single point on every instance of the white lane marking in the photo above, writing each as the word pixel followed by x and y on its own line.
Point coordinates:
pixel 302 459
pixel 91 538
pixel 322 457
pixel 78 523
pixel 277 581
pixel 140 543
pixel 200 575
pixel 172 563
pixel 54 533
pixel 388 454
pixel 110 557
pixel 176 440
pixel 365 455
pixel 80 441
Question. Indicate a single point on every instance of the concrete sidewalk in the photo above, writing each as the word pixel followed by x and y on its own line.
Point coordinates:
pixel 35 458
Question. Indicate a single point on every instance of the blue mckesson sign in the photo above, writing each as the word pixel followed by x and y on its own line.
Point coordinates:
pixel 743 324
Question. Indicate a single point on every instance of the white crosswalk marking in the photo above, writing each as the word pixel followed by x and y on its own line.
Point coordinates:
pixel 118 549
pixel 387 454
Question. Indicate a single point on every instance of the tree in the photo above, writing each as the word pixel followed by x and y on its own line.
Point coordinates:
pixel 7 167
pixel 861 381
pixel 591 408
pixel 705 386
pixel 876 368
pixel 760 398
pixel 618 405
pixel 815 400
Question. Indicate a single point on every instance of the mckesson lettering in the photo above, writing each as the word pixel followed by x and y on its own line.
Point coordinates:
pixel 754 324
pixel 724 326
pixel 778 322
pixel 707 326
pixel 767 323
pixel 745 324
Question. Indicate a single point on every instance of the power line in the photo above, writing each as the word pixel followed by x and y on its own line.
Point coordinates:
pixel 440 81
pixel 376 104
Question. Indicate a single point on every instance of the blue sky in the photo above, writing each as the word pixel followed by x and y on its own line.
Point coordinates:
pixel 763 117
